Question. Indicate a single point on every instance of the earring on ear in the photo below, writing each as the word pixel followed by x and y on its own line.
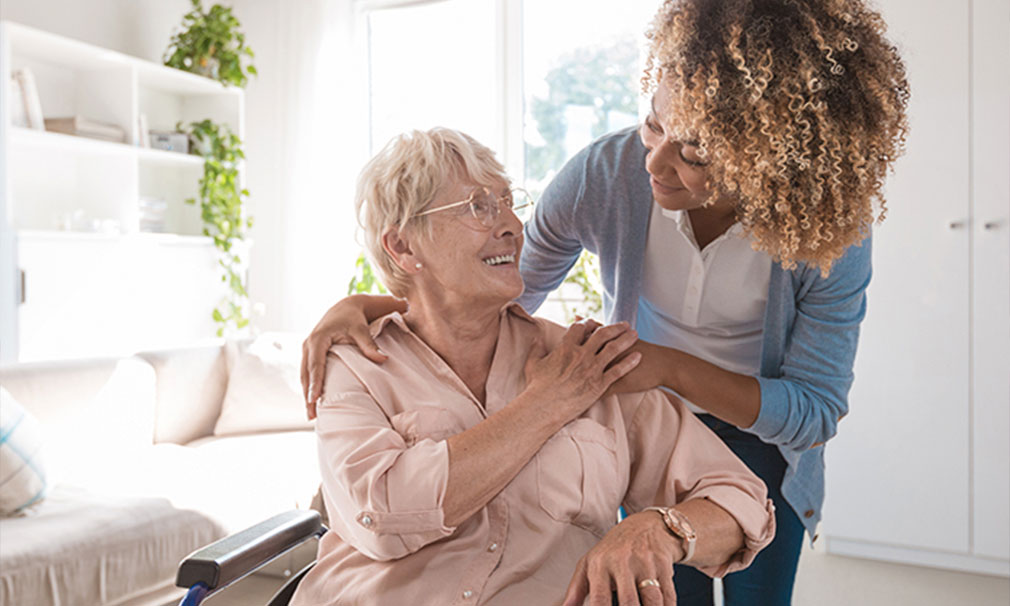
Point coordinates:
pixel 417 266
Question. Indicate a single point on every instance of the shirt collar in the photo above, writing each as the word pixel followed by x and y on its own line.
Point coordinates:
pixel 378 326
pixel 683 223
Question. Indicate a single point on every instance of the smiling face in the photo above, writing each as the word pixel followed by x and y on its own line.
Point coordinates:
pixel 464 263
pixel 677 172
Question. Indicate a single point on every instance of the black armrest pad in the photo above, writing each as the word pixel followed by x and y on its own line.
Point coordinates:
pixel 236 555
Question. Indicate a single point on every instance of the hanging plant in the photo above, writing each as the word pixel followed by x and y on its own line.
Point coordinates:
pixel 209 43
pixel 221 208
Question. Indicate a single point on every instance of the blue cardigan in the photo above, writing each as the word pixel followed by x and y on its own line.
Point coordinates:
pixel 601 200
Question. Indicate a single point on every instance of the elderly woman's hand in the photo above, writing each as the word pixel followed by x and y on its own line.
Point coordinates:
pixel 576 373
pixel 635 558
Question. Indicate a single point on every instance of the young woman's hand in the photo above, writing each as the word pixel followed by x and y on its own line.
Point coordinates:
pixel 651 372
pixel 579 370
pixel 345 322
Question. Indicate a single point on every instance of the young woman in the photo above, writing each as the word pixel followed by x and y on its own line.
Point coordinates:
pixel 733 233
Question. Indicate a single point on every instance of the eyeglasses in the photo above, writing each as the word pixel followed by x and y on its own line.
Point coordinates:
pixel 485 206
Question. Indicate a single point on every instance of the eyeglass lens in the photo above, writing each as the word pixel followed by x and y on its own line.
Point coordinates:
pixel 486 206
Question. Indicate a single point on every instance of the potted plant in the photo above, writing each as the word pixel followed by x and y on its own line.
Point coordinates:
pixel 209 43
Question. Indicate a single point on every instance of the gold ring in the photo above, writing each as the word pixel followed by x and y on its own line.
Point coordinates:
pixel 648 583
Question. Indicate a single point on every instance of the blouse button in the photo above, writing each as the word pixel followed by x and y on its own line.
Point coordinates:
pixel 366 520
pixel 492 547
pixel 467 594
pixel 808 513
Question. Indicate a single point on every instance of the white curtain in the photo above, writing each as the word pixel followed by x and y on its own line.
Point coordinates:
pixel 306 140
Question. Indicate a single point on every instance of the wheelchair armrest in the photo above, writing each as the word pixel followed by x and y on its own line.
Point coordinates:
pixel 239 554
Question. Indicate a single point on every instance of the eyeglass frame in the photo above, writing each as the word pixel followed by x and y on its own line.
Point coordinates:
pixel 473 211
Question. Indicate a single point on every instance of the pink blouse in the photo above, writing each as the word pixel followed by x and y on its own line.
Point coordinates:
pixel 382 431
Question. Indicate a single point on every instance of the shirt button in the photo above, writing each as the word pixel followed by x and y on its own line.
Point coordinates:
pixel 808 513
pixel 366 520
pixel 492 547
pixel 467 594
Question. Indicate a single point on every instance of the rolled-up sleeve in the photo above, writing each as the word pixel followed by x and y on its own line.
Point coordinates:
pixel 384 496
pixel 675 458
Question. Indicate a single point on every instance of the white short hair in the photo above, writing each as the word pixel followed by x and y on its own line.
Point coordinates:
pixel 403 178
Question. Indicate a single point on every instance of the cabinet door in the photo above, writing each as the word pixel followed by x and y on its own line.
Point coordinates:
pixel 89 295
pixel 898 471
pixel 991 278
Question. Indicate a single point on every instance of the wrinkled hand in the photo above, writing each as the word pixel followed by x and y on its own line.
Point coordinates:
pixel 638 548
pixel 649 373
pixel 580 369
pixel 345 322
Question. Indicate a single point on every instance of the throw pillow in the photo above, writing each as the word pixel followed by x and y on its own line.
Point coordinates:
pixel 264 392
pixel 22 473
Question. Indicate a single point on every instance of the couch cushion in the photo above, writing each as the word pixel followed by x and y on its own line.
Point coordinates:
pixel 191 384
pixel 236 481
pixel 255 476
pixel 264 393
pixel 96 413
pixel 22 470
pixel 80 548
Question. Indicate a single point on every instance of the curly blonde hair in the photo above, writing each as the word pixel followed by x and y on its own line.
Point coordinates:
pixel 800 106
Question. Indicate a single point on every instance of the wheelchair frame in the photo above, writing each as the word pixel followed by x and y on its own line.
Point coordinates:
pixel 211 569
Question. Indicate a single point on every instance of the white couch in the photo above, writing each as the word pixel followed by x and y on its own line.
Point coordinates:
pixel 149 458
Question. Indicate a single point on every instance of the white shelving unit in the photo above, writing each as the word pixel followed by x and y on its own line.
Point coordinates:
pixel 86 280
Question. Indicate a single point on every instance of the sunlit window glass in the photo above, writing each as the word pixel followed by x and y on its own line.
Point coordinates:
pixel 581 70
pixel 433 65
pixel 582 65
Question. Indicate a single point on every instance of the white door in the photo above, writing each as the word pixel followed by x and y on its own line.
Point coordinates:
pixel 991 278
pixel 898 471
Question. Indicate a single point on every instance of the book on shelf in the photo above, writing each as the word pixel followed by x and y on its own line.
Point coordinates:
pixel 143 132
pixel 86 127
pixel 19 117
pixel 30 98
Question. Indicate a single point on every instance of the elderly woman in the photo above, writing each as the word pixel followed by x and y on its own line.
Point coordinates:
pixel 482 463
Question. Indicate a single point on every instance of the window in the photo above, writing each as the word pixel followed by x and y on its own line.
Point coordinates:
pixel 535 81
pixel 581 77
pixel 433 65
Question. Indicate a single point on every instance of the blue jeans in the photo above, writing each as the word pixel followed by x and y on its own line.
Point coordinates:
pixel 768 581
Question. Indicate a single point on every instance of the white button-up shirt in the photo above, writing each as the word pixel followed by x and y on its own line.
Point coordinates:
pixel 709 303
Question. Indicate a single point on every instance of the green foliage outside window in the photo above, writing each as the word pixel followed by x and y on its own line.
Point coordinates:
pixel 221 208
pixel 585 275
pixel 365 281
pixel 597 77
pixel 600 77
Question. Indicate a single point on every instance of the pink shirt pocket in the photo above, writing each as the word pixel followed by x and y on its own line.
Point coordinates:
pixel 576 471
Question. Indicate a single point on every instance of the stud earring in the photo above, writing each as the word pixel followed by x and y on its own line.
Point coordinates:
pixel 417 266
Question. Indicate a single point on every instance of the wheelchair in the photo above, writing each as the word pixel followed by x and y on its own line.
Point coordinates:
pixel 209 570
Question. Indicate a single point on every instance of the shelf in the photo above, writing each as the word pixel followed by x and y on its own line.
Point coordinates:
pixel 51 48
pixel 44 46
pixel 160 157
pixel 170 80
pixel 26 137
pixel 40 139
pixel 42 235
